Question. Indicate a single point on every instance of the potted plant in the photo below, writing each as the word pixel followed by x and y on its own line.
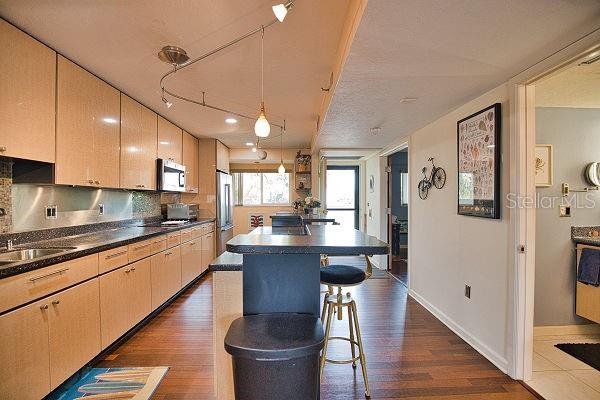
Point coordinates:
pixel 310 203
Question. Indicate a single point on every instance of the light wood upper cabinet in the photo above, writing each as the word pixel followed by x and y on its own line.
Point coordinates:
pixel 27 96
pixel 222 157
pixel 24 353
pixel 139 141
pixel 87 128
pixel 190 160
pixel 170 139
pixel 74 333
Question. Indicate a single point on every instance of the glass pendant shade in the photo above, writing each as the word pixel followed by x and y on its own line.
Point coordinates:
pixel 280 11
pixel 281 168
pixel 262 127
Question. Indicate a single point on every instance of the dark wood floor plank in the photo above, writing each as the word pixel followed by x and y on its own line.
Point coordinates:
pixel 410 354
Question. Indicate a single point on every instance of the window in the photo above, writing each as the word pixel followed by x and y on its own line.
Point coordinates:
pixel 261 188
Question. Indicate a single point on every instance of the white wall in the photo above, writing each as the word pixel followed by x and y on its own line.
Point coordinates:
pixel 376 203
pixel 448 251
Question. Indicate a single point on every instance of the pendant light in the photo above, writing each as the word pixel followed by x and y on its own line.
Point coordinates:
pixel 262 127
pixel 281 168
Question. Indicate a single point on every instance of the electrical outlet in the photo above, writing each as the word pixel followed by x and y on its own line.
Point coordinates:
pixel 51 212
pixel 468 291
pixel 565 211
pixel 101 209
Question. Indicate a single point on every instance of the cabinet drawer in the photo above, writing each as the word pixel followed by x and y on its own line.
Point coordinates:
pixel 173 239
pixel 186 235
pixel 22 288
pixel 137 251
pixel 210 227
pixel 197 232
pixel 113 258
pixel 159 244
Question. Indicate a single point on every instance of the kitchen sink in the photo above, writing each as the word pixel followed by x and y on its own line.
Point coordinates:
pixel 17 255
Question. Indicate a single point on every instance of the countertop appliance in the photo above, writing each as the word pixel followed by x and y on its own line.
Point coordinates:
pixel 182 211
pixel 224 220
pixel 171 176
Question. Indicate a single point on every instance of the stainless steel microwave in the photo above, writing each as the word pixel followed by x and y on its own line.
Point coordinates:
pixel 171 176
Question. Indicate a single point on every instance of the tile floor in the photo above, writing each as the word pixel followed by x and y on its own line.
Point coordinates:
pixel 559 376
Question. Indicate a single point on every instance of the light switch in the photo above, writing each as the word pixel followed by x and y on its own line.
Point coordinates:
pixel 565 211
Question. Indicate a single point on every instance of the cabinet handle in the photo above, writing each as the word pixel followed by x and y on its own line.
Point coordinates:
pixel 192 243
pixel 142 246
pixel 90 181
pixel 44 307
pixel 2 148
pixel 108 257
pixel 58 271
pixel 97 182
pixel 132 269
pixel 55 302
pixel 127 271
pixel 168 254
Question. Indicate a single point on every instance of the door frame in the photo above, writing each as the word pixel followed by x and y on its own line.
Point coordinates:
pixel 522 185
pixel 356 170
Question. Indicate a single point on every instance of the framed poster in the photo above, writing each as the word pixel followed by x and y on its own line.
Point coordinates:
pixel 543 165
pixel 478 148
pixel 255 220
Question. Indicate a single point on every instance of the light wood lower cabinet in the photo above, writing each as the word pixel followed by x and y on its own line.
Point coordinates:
pixel 191 260
pixel 25 353
pixel 166 275
pixel 125 299
pixel 208 250
pixel 74 329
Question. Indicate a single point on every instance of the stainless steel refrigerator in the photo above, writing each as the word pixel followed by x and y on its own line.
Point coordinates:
pixel 224 229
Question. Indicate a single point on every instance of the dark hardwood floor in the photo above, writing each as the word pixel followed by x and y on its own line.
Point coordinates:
pixel 410 354
pixel 400 270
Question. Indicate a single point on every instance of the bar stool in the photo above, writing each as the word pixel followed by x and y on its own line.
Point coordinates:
pixel 342 276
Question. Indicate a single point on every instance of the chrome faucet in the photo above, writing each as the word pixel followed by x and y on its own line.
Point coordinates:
pixel 9 245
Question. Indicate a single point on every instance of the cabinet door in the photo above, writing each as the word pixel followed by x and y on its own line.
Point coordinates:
pixel 87 128
pixel 140 291
pixel 166 275
pixel 74 321
pixel 191 261
pixel 208 250
pixel 170 139
pixel 27 100
pixel 24 353
pixel 222 157
pixel 139 140
pixel 114 304
pixel 190 160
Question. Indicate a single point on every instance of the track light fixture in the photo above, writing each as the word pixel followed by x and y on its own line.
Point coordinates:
pixel 262 127
pixel 167 102
pixel 281 168
pixel 281 10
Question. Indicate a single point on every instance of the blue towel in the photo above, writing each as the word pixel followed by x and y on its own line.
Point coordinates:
pixel 589 267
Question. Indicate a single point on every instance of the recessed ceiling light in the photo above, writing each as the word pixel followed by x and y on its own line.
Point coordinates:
pixel 231 120
pixel 249 144
pixel 375 131
pixel 408 100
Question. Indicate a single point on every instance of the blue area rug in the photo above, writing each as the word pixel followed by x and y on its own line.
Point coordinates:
pixel 115 383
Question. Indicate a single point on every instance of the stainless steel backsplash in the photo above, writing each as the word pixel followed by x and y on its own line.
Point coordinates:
pixel 75 206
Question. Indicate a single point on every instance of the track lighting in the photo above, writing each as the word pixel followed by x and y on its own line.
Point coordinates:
pixel 167 102
pixel 281 10
pixel 262 127
pixel 281 168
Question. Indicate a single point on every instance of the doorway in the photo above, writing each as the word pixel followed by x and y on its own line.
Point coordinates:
pixel 342 197
pixel 398 214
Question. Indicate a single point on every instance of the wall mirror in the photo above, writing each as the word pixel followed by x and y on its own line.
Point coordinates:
pixel 592 173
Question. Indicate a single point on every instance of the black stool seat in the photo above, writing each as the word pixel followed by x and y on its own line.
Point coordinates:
pixel 342 275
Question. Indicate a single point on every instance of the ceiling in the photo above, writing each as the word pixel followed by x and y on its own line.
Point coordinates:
pixel 578 87
pixel 119 42
pixel 444 53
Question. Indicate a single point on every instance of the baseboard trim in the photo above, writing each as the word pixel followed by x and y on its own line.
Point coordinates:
pixel 585 329
pixel 481 348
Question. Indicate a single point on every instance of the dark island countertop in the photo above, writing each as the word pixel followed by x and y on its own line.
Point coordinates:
pixel 320 239
pixel 227 262
pixel 591 240
pixel 89 243
pixel 586 235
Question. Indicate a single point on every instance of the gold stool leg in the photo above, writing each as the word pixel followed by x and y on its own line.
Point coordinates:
pixel 327 329
pixel 351 336
pixel 363 361
pixel 324 307
pixel 340 301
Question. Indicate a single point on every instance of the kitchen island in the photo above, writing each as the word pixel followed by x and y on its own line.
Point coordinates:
pixel 281 273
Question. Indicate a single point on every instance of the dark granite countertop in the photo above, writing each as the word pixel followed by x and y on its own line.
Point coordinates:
pixel 227 262
pixel 89 243
pixel 594 241
pixel 585 235
pixel 323 239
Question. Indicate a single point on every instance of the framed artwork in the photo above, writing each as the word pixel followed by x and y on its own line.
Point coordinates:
pixel 478 148
pixel 543 165
pixel 255 220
